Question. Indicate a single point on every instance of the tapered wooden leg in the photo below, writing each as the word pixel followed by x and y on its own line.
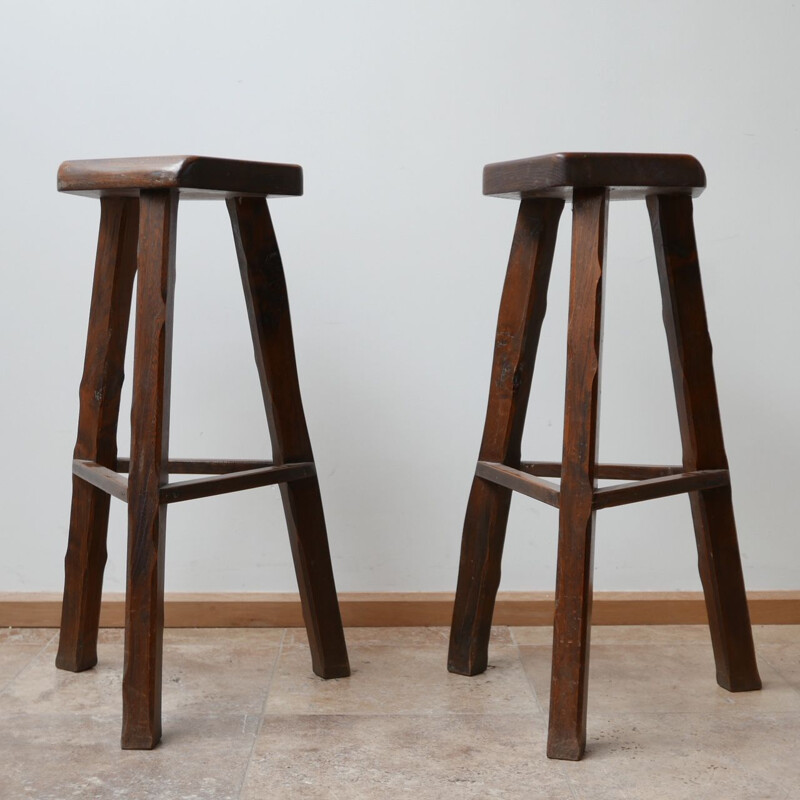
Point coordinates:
pixel 573 614
pixel 144 606
pixel 703 446
pixel 97 429
pixel 270 323
pixel 518 327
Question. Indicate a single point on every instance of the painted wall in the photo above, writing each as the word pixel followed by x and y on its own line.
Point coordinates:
pixel 395 264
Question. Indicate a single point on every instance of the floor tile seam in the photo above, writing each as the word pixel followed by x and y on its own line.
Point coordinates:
pixel 780 674
pixel 565 773
pixel 226 646
pixel 529 682
pixel 400 645
pixel 534 713
pixel 106 716
pixel 9 642
pixel 594 644
pixel 703 714
pixel 717 711
pixel 514 634
pixel 261 716
pixel 10 681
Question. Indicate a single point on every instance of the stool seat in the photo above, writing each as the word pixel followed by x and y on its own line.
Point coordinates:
pixel 195 177
pixel 628 176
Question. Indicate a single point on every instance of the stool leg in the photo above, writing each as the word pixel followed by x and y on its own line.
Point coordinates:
pixel 703 448
pixel 572 624
pixel 268 310
pixel 97 430
pixel 518 327
pixel 144 606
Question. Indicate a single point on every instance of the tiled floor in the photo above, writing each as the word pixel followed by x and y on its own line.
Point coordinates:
pixel 244 717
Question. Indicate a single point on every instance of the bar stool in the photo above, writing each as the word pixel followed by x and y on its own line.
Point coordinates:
pixel 668 183
pixel 138 214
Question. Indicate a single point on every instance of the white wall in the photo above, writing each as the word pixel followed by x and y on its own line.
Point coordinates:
pixel 395 263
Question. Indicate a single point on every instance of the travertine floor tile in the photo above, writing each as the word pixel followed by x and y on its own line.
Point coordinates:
pixel 776 634
pixel 391 680
pixel 56 757
pixel 785 658
pixel 14 659
pixel 623 634
pixel 420 757
pixel 228 677
pixel 207 636
pixel 40 636
pixel 401 726
pixel 680 756
pixel 397 637
pixel 214 637
pixel 660 678
pixel 43 689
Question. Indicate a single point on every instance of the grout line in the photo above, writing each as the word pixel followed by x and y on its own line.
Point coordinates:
pixel 789 683
pixel 529 681
pixel 562 767
pixel 261 714
pixel 7 684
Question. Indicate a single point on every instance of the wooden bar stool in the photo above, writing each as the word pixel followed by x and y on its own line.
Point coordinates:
pixel 590 180
pixel 138 214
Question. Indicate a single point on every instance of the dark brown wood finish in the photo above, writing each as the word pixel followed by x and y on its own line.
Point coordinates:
pixel 147 516
pixel 591 180
pixel 268 310
pixel 115 268
pixel 703 447
pixel 236 482
pixel 519 324
pixel 193 176
pixel 627 176
pixel 205 466
pixel 108 480
pixel 139 201
pixel 573 614
pixel 665 486
pixel 519 481
pixel 623 472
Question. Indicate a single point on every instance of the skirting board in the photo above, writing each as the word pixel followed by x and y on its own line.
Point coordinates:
pixel 400 609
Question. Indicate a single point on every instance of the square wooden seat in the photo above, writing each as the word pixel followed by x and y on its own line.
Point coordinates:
pixel 627 176
pixel 195 177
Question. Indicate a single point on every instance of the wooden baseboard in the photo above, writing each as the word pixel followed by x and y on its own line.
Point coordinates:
pixel 400 609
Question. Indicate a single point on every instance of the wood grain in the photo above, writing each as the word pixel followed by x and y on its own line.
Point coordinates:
pixel 519 481
pixel 101 386
pixel 573 614
pixel 147 516
pixel 103 478
pixel 235 482
pixel 627 176
pixel 138 232
pixel 204 466
pixel 195 177
pixel 624 472
pixel 664 486
pixel 270 324
pixel 701 432
pixel 519 324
